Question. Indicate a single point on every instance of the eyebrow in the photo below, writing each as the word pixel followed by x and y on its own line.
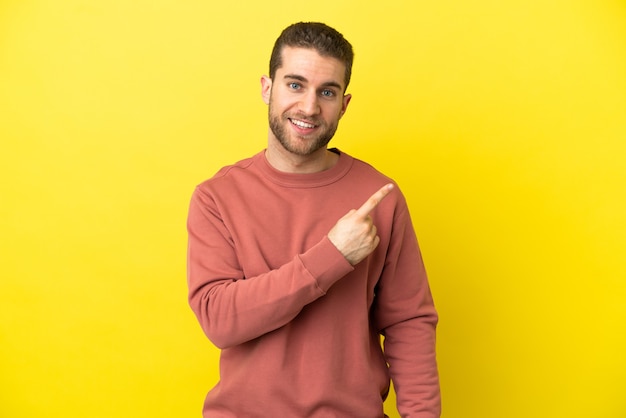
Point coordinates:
pixel 304 80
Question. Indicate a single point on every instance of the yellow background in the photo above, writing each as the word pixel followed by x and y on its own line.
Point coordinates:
pixel 504 123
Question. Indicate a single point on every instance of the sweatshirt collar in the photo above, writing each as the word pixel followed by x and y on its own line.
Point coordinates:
pixel 300 180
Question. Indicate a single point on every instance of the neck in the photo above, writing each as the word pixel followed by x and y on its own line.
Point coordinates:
pixel 285 161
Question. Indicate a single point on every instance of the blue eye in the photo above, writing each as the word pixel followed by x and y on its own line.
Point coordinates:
pixel 294 86
pixel 328 93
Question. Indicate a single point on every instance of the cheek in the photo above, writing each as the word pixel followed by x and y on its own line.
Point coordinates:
pixel 335 111
pixel 281 102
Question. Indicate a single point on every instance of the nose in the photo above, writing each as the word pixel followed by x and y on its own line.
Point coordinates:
pixel 309 104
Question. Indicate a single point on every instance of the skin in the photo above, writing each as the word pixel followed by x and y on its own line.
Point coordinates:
pixel 308 89
pixel 354 234
pixel 306 100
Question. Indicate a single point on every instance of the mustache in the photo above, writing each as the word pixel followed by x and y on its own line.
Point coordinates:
pixel 305 118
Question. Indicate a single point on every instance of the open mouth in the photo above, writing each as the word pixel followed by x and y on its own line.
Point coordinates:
pixel 302 124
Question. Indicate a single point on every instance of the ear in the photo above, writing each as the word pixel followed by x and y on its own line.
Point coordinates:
pixel 344 105
pixel 266 89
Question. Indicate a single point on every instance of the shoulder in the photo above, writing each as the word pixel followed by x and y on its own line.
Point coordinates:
pixel 230 173
pixel 369 176
pixel 365 179
pixel 227 181
pixel 365 168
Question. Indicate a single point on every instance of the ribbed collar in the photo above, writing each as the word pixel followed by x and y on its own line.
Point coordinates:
pixel 307 180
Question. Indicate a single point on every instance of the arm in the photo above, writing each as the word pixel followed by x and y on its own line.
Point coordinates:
pixel 405 314
pixel 233 309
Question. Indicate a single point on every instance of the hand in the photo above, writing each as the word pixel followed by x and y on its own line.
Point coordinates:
pixel 354 234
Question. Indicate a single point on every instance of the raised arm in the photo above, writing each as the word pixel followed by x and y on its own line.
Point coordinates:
pixel 354 235
pixel 234 308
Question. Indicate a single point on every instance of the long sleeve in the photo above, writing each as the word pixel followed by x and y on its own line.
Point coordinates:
pixel 233 308
pixel 406 315
pixel 295 320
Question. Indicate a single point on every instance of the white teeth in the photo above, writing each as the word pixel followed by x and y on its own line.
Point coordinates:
pixel 302 124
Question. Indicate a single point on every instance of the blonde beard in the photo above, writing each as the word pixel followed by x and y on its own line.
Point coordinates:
pixel 303 147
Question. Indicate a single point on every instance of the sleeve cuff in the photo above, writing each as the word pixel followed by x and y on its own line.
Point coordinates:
pixel 326 264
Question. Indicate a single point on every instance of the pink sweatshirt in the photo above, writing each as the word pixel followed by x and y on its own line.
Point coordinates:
pixel 299 327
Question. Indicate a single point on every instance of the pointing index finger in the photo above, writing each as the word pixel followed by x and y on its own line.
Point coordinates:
pixel 374 200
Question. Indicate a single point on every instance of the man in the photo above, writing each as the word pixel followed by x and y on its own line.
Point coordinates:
pixel 301 257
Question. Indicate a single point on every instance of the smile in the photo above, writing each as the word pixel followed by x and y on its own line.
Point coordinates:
pixel 302 124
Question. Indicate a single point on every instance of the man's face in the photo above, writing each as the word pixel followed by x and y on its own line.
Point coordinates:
pixel 306 100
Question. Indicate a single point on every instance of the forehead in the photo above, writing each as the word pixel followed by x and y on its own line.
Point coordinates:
pixel 312 66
